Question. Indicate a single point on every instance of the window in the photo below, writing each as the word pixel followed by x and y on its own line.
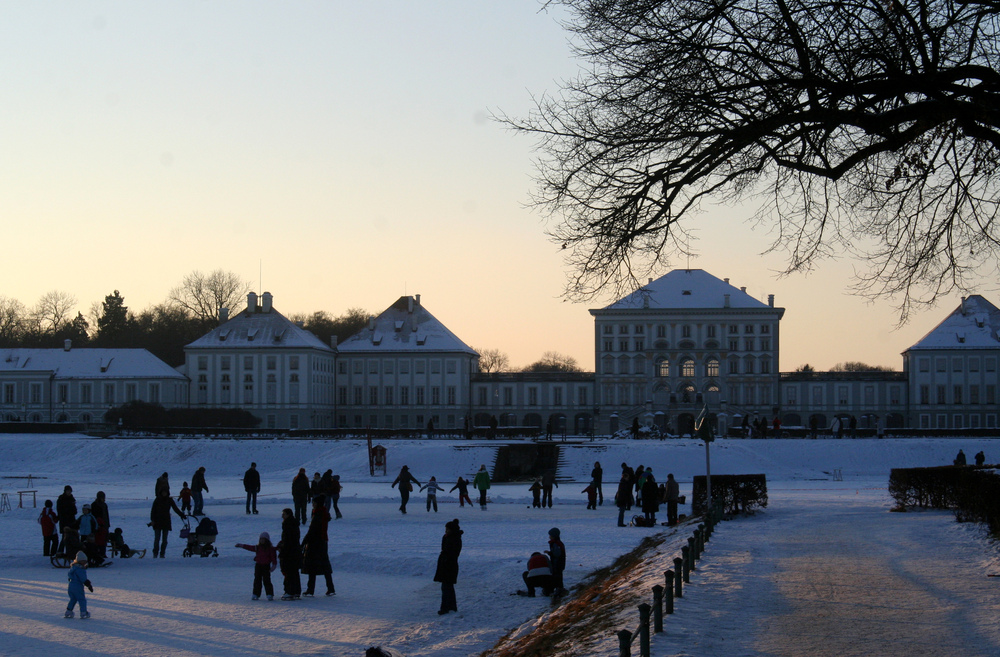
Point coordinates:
pixel 765 366
pixel 272 362
pixel 734 329
pixel 942 394
pixel 623 329
pixel 687 368
pixel 734 367
pixel 842 395
pixel 817 396
pixel 957 395
pixel 532 396
pixel 435 367
pixel 639 330
pixel 712 368
pixel 894 395
pixel 791 395
pixel 581 396
pixel 373 366
pixel 342 395
pixel 748 329
pixel 420 396
pixel 924 364
pixel 765 344
pixel 869 395
pixel 154 393
pixel 973 394
pixel 686 331
pixel 452 396
pixel 36 393
pixel 293 364
pixel 224 362
pixel 482 396
pixel 747 344
pixel 608 329
pixel 623 345
pixel 271 389
pixel 419 367
pixel 86 394
pixel 373 395
pixel 8 393
pixel 404 367
pixel 956 364
pixel 765 328
pixel 557 396
pixel 663 368
pixel 63 391
pixel 202 363
pixel 358 366
pixel 734 344
pixel 342 367
pixel 387 366
pixel 436 395
pixel 941 364
pixel 991 394
pixel 609 345
pixel 358 395
pixel 711 330
pixel 508 396
pixel 973 364
pixel 293 421
pixel 387 395
pixel 991 364
pixel 925 394
pixel 661 331
pixel 404 396
pixel 248 389
pixel 451 367
pixel 640 345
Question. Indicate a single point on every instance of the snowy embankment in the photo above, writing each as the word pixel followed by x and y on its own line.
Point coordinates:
pixel 383 561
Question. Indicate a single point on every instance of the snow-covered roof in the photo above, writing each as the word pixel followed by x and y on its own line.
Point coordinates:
pixel 87 363
pixel 405 326
pixel 974 324
pixel 259 327
pixel 687 289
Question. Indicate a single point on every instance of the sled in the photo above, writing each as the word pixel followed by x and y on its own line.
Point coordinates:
pixel 63 561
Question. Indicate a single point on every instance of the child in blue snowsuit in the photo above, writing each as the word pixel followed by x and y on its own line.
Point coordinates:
pixel 78 580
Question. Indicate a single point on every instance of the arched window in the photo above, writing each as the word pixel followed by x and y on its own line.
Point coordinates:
pixel 687 368
pixel 687 393
pixel 712 368
pixel 663 368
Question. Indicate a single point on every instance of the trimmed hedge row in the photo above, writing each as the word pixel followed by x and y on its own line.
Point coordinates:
pixel 972 492
pixel 736 493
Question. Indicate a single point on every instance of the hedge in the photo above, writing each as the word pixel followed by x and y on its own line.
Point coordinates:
pixel 736 493
pixel 972 492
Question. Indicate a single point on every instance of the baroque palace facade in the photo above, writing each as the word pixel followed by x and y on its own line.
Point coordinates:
pixel 662 353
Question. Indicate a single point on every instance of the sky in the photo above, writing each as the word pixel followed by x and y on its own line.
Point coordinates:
pixel 339 155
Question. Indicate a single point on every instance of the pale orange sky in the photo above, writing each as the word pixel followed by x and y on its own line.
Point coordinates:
pixel 342 155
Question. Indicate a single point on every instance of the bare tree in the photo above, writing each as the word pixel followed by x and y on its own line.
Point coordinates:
pixel 52 312
pixel 493 360
pixel 553 361
pixel 13 316
pixel 857 366
pixel 869 127
pixel 203 295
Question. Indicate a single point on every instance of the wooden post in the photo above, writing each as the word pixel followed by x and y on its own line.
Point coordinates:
pixel 686 563
pixel 624 643
pixel 692 552
pixel 678 569
pixel 657 609
pixel 668 599
pixel 644 610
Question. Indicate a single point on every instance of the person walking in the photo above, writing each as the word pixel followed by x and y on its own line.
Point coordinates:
pixel 623 498
pixel 672 496
pixel 99 508
pixel 184 497
pixel 482 483
pixel 548 481
pixel 597 476
pixel 290 554
pixel 650 497
pixel 300 496
pixel 265 560
pixel 251 484
pixel 198 489
pixel 463 491
pixel 959 459
pixel 447 566
pixel 315 549
pixel 335 488
pixel 405 481
pixel 66 508
pixel 557 560
pixel 159 520
pixel 536 494
pixel 77 580
pixel 591 491
pixel 432 488
pixel 162 483
pixel 49 520
pixel 325 488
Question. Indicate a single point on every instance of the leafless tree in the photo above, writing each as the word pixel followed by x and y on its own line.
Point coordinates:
pixel 869 127
pixel 553 361
pixel 203 295
pixel 493 360
pixel 52 312
pixel 13 316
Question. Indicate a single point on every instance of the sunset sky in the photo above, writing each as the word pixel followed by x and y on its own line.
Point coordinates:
pixel 339 155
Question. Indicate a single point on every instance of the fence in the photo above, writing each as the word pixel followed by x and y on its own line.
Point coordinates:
pixel 664 597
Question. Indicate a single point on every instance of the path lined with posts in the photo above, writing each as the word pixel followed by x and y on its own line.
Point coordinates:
pixel 861 581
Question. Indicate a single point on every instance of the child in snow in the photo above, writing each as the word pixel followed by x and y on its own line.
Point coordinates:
pixel 557 560
pixel 50 537
pixel 536 494
pixel 119 545
pixel 591 491
pixel 463 491
pixel 265 561
pixel 185 498
pixel 432 488
pixel 77 580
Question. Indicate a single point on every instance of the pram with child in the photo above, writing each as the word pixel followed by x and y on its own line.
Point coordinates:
pixel 200 539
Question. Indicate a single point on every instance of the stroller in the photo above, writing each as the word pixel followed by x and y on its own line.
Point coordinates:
pixel 200 540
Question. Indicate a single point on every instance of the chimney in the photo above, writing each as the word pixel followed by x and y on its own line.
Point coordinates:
pixel 67 344
pixel 252 302
pixel 333 341
pixel 650 280
pixel 417 299
pixel 743 288
pixel 409 304
pixel 963 306
pixel 725 301
pixel 770 300
pixel 223 315
pixel 371 323
pixel 726 281
pixel 266 302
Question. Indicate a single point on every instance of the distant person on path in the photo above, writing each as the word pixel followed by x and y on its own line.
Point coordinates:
pixel 482 483
pixel 878 428
pixel 557 559
pixel 548 481
pixel 960 458
pixel 66 508
pixel 315 549
pixel 159 520
pixel 198 488
pixel 49 520
pixel 300 496
pixel 405 481
pixel 538 575
pixel 980 458
pixel 650 497
pixel 814 426
pixel 536 494
pixel 251 484
pixel 597 476
pixel 162 483
pixel 335 489
pixel 623 498
pixel 184 497
pixel 77 580
pixel 432 488
pixel 672 497
pixel 853 426
pixel 265 560
pixel 290 553
pixel 591 491
pixel 463 491
pixel 447 566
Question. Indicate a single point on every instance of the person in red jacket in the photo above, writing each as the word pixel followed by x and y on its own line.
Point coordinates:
pixel 265 560
pixel 538 574
pixel 50 537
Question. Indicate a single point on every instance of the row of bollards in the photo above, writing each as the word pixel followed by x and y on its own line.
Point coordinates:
pixel 664 596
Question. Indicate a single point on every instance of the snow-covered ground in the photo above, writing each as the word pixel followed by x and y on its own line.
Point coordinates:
pixel 384 561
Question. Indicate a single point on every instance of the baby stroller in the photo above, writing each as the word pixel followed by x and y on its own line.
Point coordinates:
pixel 200 540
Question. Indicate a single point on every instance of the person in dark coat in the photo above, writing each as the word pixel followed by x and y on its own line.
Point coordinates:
pixel 557 561
pixel 162 483
pixel 251 484
pixel 980 458
pixel 959 460
pixel 548 481
pixel 300 496
pixel 404 480
pixel 315 549
pixel 672 496
pixel 99 508
pixel 66 508
pixel 463 491
pixel 198 488
pixel 597 476
pixel 49 521
pixel 159 520
pixel 623 498
pixel 637 481
pixel 630 473
pixel 325 487
pixel 290 553
pixel 447 566
pixel 650 496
